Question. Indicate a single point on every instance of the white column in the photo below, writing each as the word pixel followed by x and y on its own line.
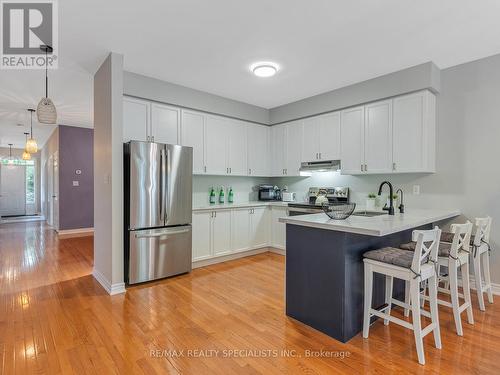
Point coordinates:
pixel 108 175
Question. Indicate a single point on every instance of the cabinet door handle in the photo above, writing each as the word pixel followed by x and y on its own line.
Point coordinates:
pixel 205 169
pixel 366 168
pixel 362 168
pixel 249 171
pixel 230 170
pixel 393 166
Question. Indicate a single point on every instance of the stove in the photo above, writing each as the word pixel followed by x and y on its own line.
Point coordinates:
pixel 333 194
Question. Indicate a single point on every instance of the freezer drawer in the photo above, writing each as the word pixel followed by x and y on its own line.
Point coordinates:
pixel 158 253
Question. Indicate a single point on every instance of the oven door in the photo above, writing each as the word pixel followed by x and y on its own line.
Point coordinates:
pixel 296 211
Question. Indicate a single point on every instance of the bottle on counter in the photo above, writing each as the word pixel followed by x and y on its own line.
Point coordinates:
pixel 230 195
pixel 212 195
pixel 221 195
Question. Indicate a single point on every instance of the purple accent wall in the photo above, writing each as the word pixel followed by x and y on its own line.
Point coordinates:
pixel 76 203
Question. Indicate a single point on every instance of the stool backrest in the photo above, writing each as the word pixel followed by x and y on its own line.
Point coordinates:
pixel 461 238
pixel 483 227
pixel 422 251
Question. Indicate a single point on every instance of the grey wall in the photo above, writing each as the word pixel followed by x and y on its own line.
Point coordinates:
pixel 468 132
pixel 165 92
pixel 50 147
pixel 76 203
pixel 423 76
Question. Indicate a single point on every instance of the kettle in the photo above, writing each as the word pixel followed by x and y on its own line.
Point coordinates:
pixel 321 198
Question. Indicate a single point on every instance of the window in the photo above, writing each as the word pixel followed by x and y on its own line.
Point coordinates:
pixel 30 184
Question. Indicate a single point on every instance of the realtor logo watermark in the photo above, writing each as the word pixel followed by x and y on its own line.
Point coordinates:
pixel 27 25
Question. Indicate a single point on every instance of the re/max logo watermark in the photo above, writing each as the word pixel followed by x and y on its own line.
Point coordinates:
pixel 25 27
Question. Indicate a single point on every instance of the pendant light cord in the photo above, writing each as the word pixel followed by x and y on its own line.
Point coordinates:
pixel 46 72
pixel 31 135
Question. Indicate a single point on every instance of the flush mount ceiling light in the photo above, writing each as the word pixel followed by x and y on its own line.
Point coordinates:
pixel 264 69
pixel 46 110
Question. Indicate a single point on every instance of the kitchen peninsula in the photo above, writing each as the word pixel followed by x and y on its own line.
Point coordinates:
pixel 324 265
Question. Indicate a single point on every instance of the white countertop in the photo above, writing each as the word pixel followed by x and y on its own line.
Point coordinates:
pixel 376 225
pixel 241 205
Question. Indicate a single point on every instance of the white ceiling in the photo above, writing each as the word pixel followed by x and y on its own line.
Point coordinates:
pixel 209 45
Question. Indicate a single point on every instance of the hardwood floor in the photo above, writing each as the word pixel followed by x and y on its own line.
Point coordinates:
pixel 56 319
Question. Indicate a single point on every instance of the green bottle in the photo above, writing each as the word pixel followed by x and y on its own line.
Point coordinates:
pixel 221 195
pixel 230 195
pixel 212 195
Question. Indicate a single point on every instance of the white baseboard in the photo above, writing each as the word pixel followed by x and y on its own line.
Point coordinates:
pixel 225 258
pixel 79 232
pixel 112 289
pixel 495 288
pixel 277 250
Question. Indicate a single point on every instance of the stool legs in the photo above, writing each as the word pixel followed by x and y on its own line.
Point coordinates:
pixel 368 299
pixel 487 279
pixel 479 283
pixel 433 303
pixel 407 298
pixel 388 296
pixel 415 315
pixel 466 288
pixel 453 277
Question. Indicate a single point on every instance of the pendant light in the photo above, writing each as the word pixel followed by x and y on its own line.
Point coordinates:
pixel 46 110
pixel 26 154
pixel 31 145
pixel 10 160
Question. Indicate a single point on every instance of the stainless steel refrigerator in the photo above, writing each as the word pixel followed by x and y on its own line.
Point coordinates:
pixel 158 210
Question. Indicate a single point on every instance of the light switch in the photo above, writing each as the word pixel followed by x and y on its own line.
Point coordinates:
pixel 76 183
pixel 416 189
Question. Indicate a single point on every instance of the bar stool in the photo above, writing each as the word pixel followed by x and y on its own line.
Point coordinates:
pixel 413 267
pixel 481 257
pixel 454 256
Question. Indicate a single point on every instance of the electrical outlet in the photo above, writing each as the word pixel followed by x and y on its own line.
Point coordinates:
pixel 76 183
pixel 416 189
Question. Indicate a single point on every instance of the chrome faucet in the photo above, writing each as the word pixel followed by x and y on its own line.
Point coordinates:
pixel 391 192
pixel 401 205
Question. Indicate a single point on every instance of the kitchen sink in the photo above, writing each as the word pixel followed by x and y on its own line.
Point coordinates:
pixel 369 213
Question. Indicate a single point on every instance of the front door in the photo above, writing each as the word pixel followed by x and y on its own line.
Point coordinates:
pixel 12 190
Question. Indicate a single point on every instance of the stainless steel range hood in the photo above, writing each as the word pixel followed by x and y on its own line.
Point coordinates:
pixel 320 166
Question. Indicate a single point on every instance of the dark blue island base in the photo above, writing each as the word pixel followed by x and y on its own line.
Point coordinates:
pixel 325 277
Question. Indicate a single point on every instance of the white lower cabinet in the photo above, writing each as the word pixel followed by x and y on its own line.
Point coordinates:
pixel 278 230
pixel 202 235
pixel 259 227
pixel 211 234
pixel 240 229
pixel 221 227
pixel 233 230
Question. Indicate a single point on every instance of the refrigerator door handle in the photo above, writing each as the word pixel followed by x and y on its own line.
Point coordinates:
pixel 163 185
pixel 163 233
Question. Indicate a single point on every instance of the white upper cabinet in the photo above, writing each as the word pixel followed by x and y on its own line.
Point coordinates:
pixel 136 119
pixel 329 136
pixel 237 148
pixel 258 141
pixel 278 149
pixel 294 134
pixel 390 136
pixel 193 135
pixel 378 137
pixel 352 140
pixel 165 124
pixel 321 139
pixel 310 140
pixel 414 129
pixel 216 144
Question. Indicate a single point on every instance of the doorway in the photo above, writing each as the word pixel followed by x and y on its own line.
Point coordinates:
pixel 18 191
pixel 13 192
